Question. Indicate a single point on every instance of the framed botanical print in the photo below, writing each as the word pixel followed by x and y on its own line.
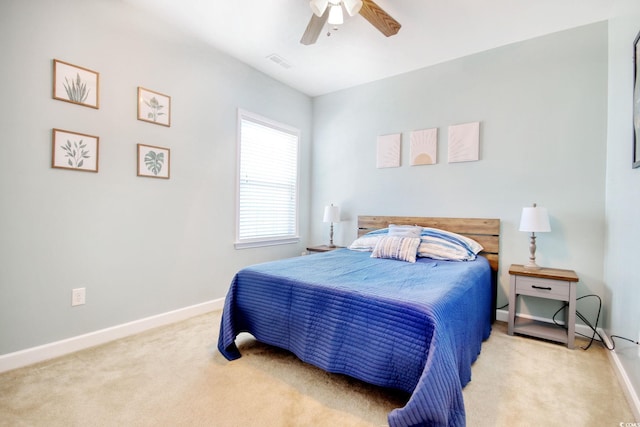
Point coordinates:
pixel 75 151
pixel 154 162
pixel 154 107
pixel 75 84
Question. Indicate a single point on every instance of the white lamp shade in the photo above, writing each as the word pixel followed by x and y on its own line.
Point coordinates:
pixel 352 6
pixel 335 15
pixel 331 214
pixel 318 6
pixel 535 220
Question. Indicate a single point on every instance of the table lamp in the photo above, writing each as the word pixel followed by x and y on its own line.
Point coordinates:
pixel 534 220
pixel 331 214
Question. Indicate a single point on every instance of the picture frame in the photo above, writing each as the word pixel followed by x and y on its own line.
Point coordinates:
pixel 154 107
pixel 388 151
pixel 423 147
pixel 75 84
pixel 154 162
pixel 636 102
pixel 464 142
pixel 74 151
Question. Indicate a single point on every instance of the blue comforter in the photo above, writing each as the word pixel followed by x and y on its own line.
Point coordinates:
pixel 414 327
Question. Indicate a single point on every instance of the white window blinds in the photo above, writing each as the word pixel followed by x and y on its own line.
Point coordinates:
pixel 267 182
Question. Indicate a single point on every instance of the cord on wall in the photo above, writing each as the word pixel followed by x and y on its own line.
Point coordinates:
pixel 593 327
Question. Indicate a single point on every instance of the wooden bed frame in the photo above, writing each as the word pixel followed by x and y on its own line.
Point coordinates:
pixel 485 231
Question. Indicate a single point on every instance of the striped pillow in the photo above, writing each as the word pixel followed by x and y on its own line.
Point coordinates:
pixel 405 230
pixel 446 245
pixel 394 247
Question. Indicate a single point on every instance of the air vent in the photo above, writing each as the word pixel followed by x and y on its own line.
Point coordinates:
pixel 279 60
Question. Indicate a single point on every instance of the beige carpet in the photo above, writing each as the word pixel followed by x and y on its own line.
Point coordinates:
pixel 173 376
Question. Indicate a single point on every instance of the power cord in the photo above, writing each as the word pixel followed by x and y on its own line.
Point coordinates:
pixel 593 328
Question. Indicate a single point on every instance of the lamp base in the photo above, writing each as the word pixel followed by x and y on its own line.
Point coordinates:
pixel 532 257
pixel 532 266
pixel 331 245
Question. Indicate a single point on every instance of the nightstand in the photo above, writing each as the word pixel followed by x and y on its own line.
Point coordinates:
pixel 323 248
pixel 548 283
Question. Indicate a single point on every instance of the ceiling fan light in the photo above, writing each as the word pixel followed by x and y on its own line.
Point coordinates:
pixel 318 7
pixel 335 15
pixel 352 6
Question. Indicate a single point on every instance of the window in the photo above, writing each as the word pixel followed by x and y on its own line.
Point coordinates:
pixel 267 210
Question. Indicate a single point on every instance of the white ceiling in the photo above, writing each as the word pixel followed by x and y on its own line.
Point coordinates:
pixel 433 31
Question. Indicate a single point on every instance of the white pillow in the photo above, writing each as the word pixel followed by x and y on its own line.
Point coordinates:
pixel 405 230
pixel 365 243
pixel 397 247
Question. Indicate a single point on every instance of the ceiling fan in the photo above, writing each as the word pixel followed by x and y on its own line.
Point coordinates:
pixel 330 11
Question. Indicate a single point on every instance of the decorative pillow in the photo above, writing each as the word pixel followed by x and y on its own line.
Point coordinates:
pixel 445 245
pixel 405 230
pixel 468 243
pixel 397 247
pixel 367 242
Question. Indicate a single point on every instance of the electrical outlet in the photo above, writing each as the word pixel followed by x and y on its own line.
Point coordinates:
pixel 78 296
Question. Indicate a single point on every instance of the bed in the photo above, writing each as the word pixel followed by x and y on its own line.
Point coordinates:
pixel 415 325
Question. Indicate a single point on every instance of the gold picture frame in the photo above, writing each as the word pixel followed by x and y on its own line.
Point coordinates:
pixel 154 107
pixel 154 162
pixel 75 84
pixel 74 151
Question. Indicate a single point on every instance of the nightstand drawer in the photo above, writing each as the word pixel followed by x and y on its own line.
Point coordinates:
pixel 543 288
pixel 549 283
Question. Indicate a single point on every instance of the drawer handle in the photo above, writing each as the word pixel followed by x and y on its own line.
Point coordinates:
pixel 546 288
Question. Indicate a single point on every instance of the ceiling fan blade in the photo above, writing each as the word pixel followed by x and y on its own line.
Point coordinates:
pixel 314 28
pixel 379 18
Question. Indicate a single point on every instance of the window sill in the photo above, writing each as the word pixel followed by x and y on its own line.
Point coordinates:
pixel 262 243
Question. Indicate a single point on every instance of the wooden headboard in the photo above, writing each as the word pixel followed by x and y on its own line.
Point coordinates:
pixel 482 230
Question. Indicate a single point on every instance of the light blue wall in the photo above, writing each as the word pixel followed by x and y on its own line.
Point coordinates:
pixel 542 105
pixel 144 246
pixel 623 193
pixel 140 246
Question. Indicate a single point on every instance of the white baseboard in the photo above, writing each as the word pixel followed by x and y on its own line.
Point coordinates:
pixel 40 353
pixel 625 381
pixel 621 374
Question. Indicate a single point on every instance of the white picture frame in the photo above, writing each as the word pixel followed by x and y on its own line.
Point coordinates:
pixel 388 151
pixel 464 142
pixel 423 146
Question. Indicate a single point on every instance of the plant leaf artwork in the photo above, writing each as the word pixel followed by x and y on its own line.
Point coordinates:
pixel 75 84
pixel 154 162
pixel 155 107
pixel 76 89
pixel 75 153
